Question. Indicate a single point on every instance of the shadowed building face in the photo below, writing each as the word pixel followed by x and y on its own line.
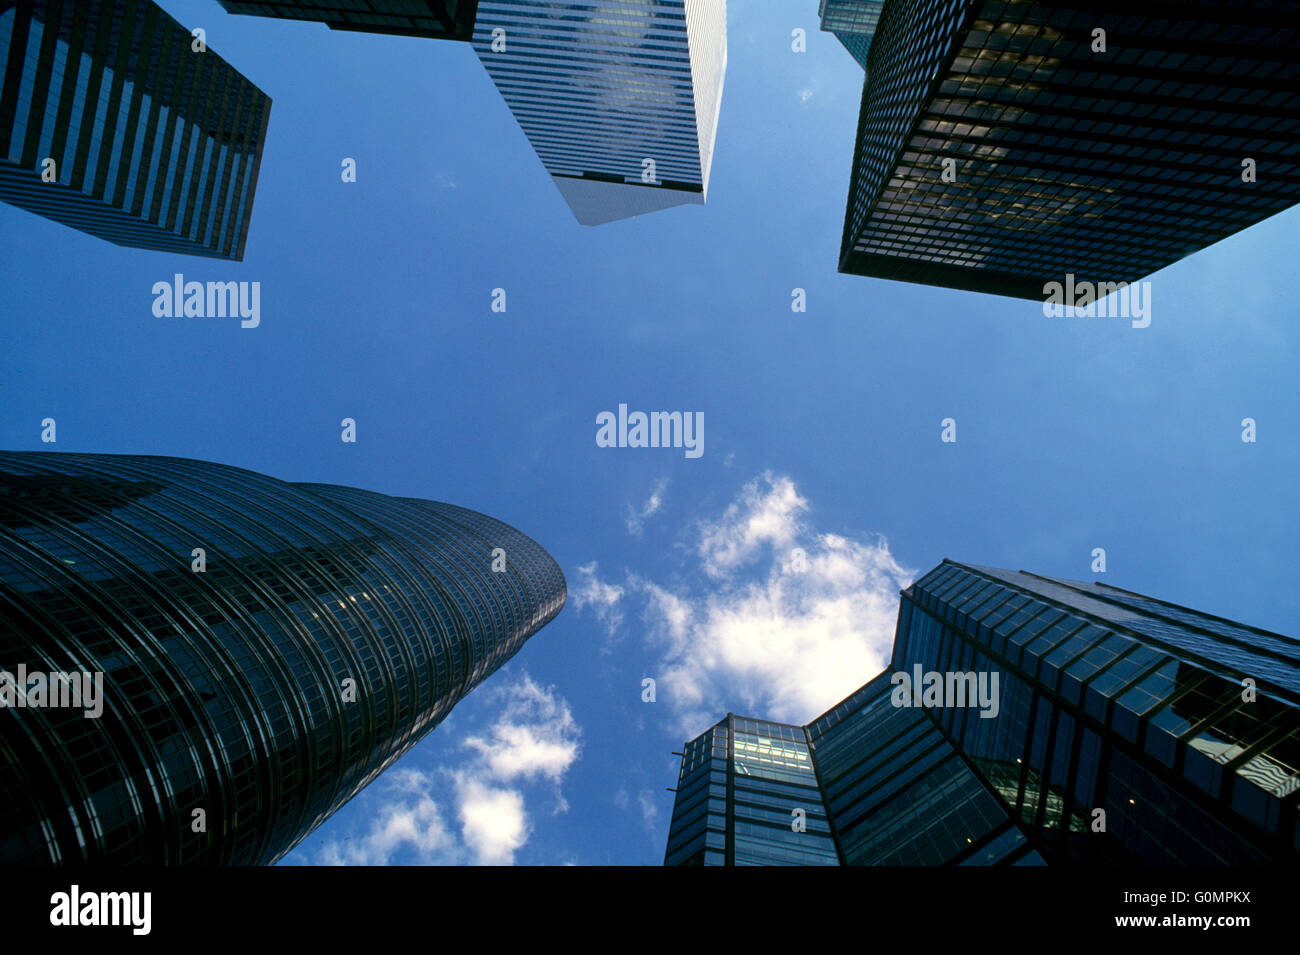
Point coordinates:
pixel 438 19
pixel 1005 145
pixel 266 649
pixel 1124 730
pixel 853 22
pixel 115 120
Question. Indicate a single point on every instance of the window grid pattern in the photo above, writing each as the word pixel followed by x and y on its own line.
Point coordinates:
pixel 1090 674
pixel 697 835
pixel 1104 165
pixel 773 781
pixel 897 791
pixel 1108 702
pixel 853 22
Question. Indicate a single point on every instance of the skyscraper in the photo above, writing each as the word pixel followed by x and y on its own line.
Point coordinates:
pixel 116 120
pixel 619 98
pixel 853 22
pixel 1023 720
pixel 1002 146
pixel 266 649
pixel 440 19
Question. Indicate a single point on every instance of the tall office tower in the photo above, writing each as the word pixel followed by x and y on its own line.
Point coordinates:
pixel 439 19
pixel 743 783
pixel 853 22
pixel 115 120
pixel 266 649
pixel 1023 720
pixel 1004 144
pixel 619 98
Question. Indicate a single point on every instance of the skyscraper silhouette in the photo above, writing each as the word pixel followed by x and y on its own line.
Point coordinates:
pixel 267 649
pixel 1119 729
pixel 1003 146
pixel 853 22
pixel 116 120
pixel 439 19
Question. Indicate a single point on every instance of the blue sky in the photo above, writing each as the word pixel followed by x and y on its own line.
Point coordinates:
pixel 822 428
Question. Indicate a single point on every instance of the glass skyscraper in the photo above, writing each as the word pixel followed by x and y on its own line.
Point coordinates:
pixel 619 98
pixel 440 19
pixel 1006 144
pixel 741 783
pixel 266 649
pixel 853 22
pixel 1119 729
pixel 112 122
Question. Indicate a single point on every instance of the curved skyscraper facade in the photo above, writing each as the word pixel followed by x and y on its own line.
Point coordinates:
pixel 264 650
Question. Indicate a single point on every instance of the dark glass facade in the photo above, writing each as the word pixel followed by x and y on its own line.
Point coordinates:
pixel 1124 732
pixel 155 145
pixel 228 690
pixel 1065 158
pixel 853 22
pixel 900 793
pixel 745 785
pixel 440 19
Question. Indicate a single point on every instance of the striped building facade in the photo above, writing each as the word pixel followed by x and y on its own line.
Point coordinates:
pixel 619 98
pixel 116 120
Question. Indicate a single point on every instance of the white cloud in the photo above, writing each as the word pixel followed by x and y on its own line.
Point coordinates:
pixel 411 821
pixel 790 619
pixel 493 821
pixel 645 800
pixel 636 518
pixel 603 598
pixel 534 738
pixel 649 810
pixel 535 735
pixel 765 515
